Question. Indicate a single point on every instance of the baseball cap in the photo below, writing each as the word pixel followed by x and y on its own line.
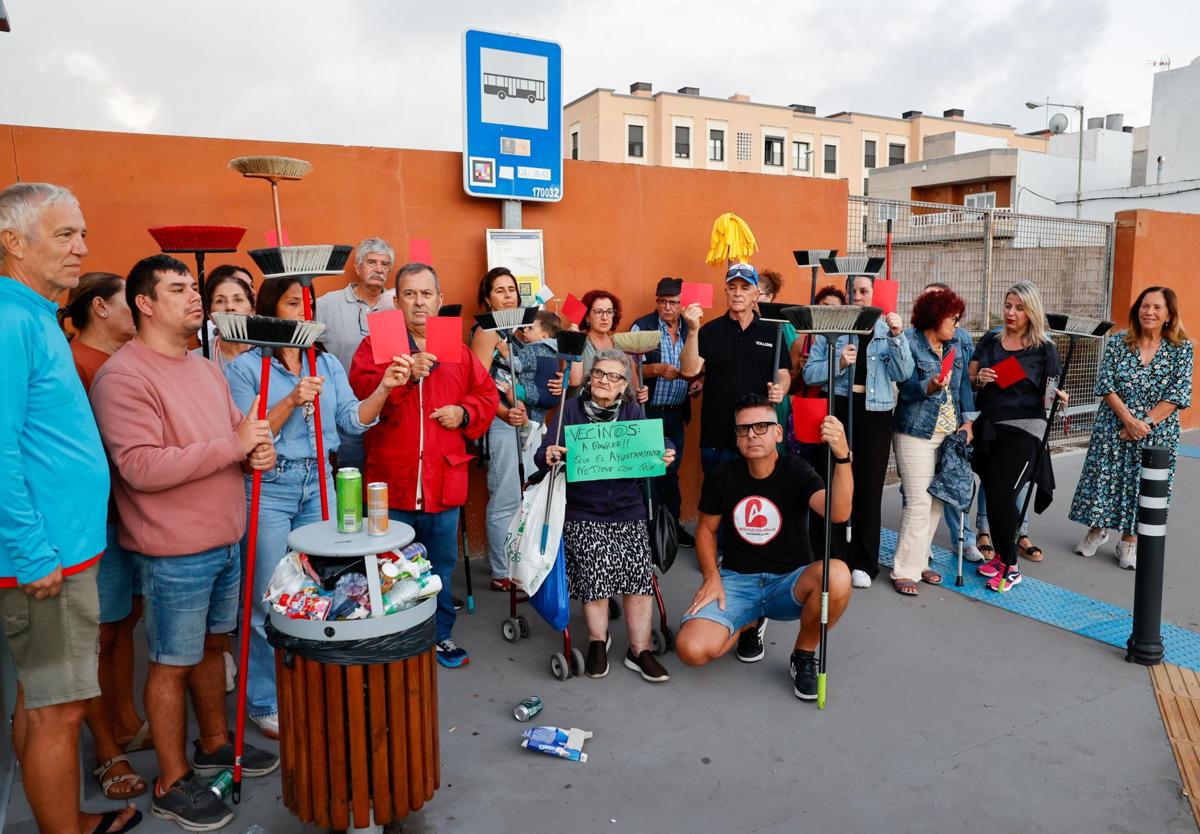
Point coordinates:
pixel 669 286
pixel 744 271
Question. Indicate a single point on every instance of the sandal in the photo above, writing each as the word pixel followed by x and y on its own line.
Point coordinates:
pixel 109 817
pixel 141 740
pixel 107 784
pixel 986 549
pixel 931 577
pixel 905 587
pixel 1031 552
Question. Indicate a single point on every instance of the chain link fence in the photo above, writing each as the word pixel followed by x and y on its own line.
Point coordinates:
pixel 979 253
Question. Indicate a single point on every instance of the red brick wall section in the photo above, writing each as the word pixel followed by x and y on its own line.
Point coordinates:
pixel 620 227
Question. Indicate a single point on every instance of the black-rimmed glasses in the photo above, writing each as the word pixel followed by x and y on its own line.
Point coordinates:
pixel 743 429
pixel 612 377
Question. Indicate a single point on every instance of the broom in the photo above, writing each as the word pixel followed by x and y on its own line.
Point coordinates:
pixel 272 169
pixel 304 263
pixel 570 349
pixel 268 334
pixel 198 240
pixel 501 321
pixel 771 312
pixel 830 322
pixel 638 345
pixel 812 258
pixel 1074 328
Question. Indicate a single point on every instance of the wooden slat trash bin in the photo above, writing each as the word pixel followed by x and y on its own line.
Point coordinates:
pixel 358 718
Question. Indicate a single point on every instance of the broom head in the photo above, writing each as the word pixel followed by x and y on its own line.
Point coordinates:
pixel 570 345
pixel 265 331
pixel 280 261
pixel 173 239
pixel 830 320
pixel 852 265
pixel 639 343
pixel 498 320
pixel 271 167
pixel 1078 325
pixel 813 257
pixel 773 312
pixel 450 311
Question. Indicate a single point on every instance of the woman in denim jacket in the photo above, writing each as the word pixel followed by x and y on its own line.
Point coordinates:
pixel 873 370
pixel 932 406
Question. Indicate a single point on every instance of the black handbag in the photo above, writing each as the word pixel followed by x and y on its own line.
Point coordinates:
pixel 664 535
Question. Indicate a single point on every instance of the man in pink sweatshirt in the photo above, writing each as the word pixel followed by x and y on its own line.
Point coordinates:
pixel 179 444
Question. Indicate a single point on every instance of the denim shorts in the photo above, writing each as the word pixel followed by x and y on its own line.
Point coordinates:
pixel 119 579
pixel 751 596
pixel 187 597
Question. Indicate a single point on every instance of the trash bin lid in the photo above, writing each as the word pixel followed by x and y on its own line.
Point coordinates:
pixel 334 630
pixel 323 539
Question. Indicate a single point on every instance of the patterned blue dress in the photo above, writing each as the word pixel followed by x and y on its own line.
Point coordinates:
pixel 1107 493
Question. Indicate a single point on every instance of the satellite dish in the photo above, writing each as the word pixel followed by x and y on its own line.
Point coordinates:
pixel 1058 123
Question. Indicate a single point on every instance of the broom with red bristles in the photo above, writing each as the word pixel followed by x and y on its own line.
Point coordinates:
pixel 198 241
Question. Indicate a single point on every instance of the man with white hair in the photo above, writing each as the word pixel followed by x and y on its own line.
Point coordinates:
pixel 53 505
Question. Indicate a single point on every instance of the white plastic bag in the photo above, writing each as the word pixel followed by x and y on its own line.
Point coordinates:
pixel 529 561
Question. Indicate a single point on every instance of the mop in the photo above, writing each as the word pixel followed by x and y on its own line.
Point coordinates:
pixel 812 258
pixel 830 322
pixel 198 241
pixel 268 334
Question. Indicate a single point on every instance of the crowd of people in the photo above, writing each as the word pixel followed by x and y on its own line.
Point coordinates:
pixel 129 456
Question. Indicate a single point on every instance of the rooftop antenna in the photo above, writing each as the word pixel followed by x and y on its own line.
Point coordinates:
pixel 1163 61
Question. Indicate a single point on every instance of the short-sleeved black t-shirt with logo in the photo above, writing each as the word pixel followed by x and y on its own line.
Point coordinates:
pixel 737 361
pixel 766 521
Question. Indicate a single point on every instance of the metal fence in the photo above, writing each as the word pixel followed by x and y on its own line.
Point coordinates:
pixel 979 253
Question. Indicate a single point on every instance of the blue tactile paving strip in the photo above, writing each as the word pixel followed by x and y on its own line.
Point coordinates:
pixel 1056 606
pixel 1189 451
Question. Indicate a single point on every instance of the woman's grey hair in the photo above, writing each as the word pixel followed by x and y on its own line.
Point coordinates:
pixel 372 245
pixel 1031 300
pixel 614 355
pixel 23 203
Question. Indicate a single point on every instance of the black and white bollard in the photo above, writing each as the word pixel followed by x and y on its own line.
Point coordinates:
pixel 1145 644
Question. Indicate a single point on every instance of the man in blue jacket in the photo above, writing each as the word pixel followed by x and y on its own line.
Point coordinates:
pixel 53 502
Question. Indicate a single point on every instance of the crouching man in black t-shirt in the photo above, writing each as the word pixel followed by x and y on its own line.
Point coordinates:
pixel 764 499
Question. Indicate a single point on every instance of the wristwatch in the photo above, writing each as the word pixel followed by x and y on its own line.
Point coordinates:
pixel 849 458
pixel 466 417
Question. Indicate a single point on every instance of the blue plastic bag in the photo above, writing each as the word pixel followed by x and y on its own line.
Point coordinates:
pixel 553 600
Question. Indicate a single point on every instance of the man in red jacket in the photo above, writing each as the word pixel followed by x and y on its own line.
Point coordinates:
pixel 419 445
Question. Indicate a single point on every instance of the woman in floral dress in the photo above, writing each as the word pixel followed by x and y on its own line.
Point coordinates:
pixel 1145 378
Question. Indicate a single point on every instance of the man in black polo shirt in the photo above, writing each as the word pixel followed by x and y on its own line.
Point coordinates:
pixel 737 355
pixel 763 499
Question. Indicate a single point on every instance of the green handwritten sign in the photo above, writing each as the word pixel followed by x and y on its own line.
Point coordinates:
pixel 624 449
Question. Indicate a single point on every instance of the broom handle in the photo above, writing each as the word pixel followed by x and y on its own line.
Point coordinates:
pixel 888 260
pixel 850 445
pixel 562 405
pixel 812 295
pixel 512 402
pixel 305 292
pixel 278 216
pixel 824 647
pixel 239 738
pixel 203 306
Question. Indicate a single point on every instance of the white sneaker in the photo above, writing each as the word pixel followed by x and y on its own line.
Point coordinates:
pixel 230 673
pixel 1127 554
pixel 269 724
pixel 972 554
pixel 1091 542
pixel 860 579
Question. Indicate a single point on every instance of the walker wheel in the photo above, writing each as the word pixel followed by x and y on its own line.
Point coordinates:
pixel 523 625
pixel 511 630
pixel 669 638
pixel 577 661
pixel 559 667
pixel 658 643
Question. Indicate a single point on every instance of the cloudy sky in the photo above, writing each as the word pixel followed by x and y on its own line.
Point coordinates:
pixel 387 72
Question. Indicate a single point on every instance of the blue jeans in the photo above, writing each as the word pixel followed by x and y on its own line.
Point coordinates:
pixel 439 533
pixel 751 596
pixel 981 519
pixel 118 580
pixel 188 597
pixel 291 498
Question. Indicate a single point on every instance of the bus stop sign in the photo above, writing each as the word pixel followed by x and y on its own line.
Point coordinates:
pixel 512 117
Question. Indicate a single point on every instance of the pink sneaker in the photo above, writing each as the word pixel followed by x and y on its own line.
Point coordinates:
pixel 992 567
pixel 1003 583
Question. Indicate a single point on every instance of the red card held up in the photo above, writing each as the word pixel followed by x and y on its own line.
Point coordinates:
pixel 389 336
pixel 443 338
pixel 696 293
pixel 887 295
pixel 420 251
pixel 807 414
pixel 573 310
pixel 1009 372
pixel 947 363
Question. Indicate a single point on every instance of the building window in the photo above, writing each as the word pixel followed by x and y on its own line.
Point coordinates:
pixel 716 145
pixel 869 153
pixel 637 144
pixel 896 154
pixel 985 200
pixel 574 144
pixel 800 154
pixel 744 145
pixel 831 159
pixel 773 151
pixel 683 142
pixel 866 186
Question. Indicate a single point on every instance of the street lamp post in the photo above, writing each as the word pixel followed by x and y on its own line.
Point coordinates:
pixel 1034 105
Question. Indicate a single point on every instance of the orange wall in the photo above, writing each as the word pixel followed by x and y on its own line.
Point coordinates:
pixel 620 227
pixel 1157 248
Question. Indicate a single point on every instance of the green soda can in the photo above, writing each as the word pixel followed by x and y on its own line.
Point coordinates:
pixel 527 708
pixel 222 785
pixel 348 486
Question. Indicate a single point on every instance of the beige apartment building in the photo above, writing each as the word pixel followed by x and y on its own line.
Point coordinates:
pixel 684 129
